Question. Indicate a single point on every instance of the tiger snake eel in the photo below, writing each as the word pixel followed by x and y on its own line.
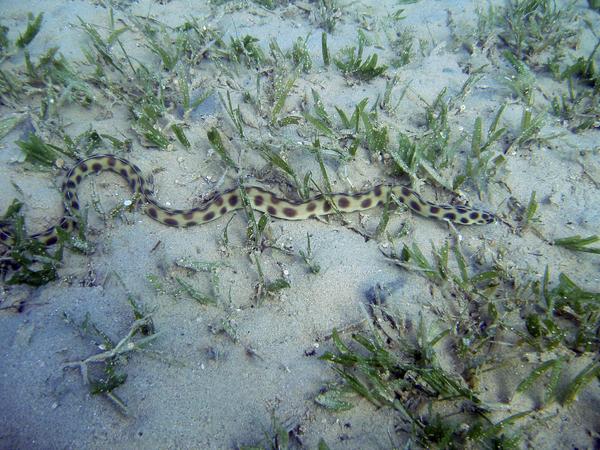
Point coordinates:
pixel 230 200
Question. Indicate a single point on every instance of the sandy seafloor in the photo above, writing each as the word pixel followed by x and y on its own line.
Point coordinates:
pixel 205 390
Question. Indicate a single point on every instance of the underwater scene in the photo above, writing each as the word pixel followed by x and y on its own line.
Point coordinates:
pixel 313 224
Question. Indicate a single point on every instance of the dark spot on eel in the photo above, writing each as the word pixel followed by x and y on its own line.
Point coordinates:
pixel 171 222
pixel 208 216
pixel 450 216
pixel 259 200
pixel 233 200
pixel 152 212
pixel 366 203
pixel 414 205
pixel 289 212
pixel 488 218
pixel 343 202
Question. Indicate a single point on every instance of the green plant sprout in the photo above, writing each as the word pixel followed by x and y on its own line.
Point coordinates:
pixel 308 257
pixel 328 13
pixel 300 55
pixel 483 162
pixel 234 114
pixel 579 244
pixel 33 28
pixel 351 63
pixel 113 356
pixel 217 145
pixel 324 50
pixel 29 259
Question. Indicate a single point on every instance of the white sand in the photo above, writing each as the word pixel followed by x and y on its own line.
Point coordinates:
pixel 188 398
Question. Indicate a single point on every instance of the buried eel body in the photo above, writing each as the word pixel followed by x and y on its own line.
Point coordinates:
pixel 230 200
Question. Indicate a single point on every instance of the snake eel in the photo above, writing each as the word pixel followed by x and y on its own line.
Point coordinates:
pixel 227 201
